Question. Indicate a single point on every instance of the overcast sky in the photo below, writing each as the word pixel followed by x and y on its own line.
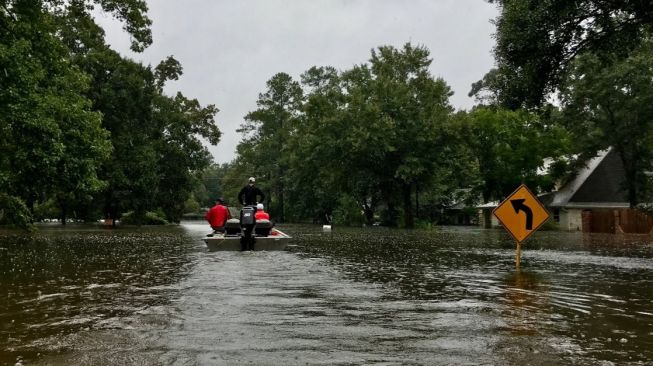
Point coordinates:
pixel 229 49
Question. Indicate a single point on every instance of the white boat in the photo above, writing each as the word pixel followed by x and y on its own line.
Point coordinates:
pixel 276 240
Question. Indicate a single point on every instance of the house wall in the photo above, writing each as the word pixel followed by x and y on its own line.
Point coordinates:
pixel 571 219
pixel 486 219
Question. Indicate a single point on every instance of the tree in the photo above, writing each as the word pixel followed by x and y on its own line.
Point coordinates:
pixel 183 156
pixel 397 112
pixel 79 122
pixel 212 185
pixel 610 103
pixel 51 142
pixel 265 136
pixel 124 92
pixel 509 147
pixel 317 165
pixel 537 40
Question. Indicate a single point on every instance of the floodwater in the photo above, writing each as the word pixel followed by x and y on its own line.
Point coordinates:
pixel 451 296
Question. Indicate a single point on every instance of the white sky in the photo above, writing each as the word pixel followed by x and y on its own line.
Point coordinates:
pixel 229 49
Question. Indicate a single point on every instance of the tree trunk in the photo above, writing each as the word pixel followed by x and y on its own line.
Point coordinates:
pixel 282 217
pixel 64 213
pixel 408 203
pixel 369 214
pixel 416 200
pixel 631 178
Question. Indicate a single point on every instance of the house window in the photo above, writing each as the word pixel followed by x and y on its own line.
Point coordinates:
pixel 556 214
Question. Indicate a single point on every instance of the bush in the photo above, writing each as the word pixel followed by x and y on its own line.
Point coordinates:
pixel 646 208
pixel 150 218
pixel 348 212
pixel 550 225
pixel 14 212
pixel 191 206
pixel 390 218
pixel 423 224
pixel 46 210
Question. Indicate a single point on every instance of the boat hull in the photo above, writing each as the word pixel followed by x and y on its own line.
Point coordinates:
pixel 219 242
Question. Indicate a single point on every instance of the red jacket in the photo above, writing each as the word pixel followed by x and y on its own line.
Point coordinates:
pixel 261 215
pixel 217 216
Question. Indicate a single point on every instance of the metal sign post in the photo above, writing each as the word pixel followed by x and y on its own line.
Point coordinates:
pixel 521 214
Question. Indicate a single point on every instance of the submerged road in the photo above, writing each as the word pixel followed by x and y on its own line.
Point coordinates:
pixel 354 296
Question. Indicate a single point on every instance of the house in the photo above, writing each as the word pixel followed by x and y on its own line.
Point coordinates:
pixel 456 211
pixel 598 186
pixel 485 217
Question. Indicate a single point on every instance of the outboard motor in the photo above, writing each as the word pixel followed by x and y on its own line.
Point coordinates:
pixel 247 223
pixel 263 227
pixel 232 227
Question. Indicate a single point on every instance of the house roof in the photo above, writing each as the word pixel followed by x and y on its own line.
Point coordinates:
pixel 488 205
pixel 597 184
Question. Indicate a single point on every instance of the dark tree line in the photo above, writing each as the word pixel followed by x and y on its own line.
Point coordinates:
pixel 84 132
pixel 592 61
pixel 381 142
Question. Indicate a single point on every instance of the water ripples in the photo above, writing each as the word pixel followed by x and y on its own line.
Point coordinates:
pixel 352 296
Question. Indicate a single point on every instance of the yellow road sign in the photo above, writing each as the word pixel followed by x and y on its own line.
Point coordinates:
pixel 521 213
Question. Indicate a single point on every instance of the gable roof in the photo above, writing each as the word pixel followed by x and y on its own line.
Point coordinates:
pixel 597 184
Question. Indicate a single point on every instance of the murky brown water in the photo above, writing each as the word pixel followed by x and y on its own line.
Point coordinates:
pixel 87 296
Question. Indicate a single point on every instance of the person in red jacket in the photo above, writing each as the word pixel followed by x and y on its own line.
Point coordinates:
pixel 217 216
pixel 260 213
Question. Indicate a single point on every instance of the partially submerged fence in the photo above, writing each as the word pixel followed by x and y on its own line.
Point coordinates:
pixel 617 221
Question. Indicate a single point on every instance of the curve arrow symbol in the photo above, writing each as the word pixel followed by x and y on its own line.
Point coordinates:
pixel 519 205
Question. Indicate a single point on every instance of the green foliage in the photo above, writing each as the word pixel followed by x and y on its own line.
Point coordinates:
pixel 183 156
pixel 46 210
pixel 52 142
pixel 423 224
pixel 266 132
pixel 148 218
pixel 348 212
pixel 86 128
pixel 609 103
pixel 509 147
pixel 14 212
pixel 382 133
pixel 550 225
pixel 397 113
pixel 646 208
pixel 212 185
pixel 191 205
pixel 537 40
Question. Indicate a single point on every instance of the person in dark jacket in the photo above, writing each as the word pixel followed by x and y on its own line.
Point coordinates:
pixel 248 197
pixel 249 194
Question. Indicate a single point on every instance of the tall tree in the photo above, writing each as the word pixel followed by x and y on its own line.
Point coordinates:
pixel 317 162
pixel 183 156
pixel 610 103
pixel 509 147
pixel 537 40
pixel 397 112
pixel 124 92
pixel 51 142
pixel 265 136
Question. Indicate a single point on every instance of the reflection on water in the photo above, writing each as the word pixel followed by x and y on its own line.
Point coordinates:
pixel 54 283
pixel 351 296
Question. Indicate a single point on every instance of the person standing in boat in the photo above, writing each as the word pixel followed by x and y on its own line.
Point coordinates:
pixel 260 213
pixel 218 215
pixel 248 196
